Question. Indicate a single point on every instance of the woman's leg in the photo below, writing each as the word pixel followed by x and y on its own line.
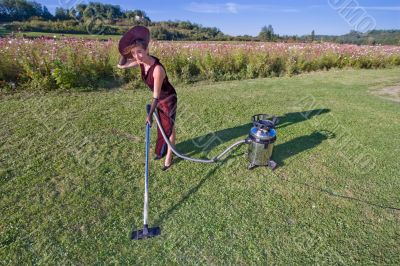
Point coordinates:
pixel 172 138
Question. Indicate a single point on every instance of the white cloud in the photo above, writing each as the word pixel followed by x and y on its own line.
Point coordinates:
pixel 205 8
pixel 383 8
pixel 377 8
pixel 289 10
pixel 234 8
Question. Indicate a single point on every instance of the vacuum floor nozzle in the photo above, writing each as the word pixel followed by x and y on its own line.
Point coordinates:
pixel 146 233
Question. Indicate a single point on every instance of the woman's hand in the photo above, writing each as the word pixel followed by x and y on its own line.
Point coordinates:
pixel 149 120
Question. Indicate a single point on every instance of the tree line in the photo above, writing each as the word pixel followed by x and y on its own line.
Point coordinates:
pixel 21 10
pixel 96 18
pixel 99 18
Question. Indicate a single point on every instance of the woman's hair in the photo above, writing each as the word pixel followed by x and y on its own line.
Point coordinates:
pixel 136 43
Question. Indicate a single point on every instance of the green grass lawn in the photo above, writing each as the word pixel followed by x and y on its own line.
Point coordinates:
pixel 71 175
pixel 3 31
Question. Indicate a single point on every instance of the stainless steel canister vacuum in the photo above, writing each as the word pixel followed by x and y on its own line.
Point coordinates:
pixel 261 141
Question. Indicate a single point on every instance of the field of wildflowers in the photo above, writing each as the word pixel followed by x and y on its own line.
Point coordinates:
pixel 51 64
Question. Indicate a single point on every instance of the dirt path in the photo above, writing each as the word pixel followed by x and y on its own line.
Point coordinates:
pixel 390 93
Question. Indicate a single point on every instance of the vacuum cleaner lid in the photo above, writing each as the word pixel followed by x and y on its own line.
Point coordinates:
pixel 263 133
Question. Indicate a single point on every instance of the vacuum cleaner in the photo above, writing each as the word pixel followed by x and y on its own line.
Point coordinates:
pixel 260 139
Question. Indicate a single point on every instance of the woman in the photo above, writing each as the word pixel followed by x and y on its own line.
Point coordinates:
pixel 134 51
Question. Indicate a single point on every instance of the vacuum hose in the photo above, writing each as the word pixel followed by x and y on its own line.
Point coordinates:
pixel 213 160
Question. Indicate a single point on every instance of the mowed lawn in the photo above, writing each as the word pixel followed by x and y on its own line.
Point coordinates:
pixel 72 170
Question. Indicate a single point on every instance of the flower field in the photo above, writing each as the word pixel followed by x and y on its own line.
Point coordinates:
pixel 51 64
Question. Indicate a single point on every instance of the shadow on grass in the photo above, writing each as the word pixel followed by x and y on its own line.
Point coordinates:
pixel 297 117
pixel 281 152
pixel 204 144
pixel 106 84
pixel 298 145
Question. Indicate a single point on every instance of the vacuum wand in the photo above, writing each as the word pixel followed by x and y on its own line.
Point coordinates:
pixel 146 232
pixel 146 176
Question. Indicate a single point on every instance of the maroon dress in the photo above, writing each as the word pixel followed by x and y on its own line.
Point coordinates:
pixel 166 107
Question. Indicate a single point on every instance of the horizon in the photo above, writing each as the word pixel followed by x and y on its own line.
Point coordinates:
pixel 288 17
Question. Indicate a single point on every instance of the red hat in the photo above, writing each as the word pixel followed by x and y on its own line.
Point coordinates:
pixel 137 32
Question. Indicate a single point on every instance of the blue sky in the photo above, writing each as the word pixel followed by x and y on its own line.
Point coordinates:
pixel 239 17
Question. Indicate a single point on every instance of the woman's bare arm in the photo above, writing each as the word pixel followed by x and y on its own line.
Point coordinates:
pixel 158 76
pixel 129 64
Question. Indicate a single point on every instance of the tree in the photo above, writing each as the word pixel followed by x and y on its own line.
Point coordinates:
pixel 79 10
pixel 11 10
pixel 46 14
pixel 312 35
pixel 61 14
pixel 267 33
pixel 160 33
pixel 6 10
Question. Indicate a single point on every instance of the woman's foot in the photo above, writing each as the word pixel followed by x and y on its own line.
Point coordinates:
pixel 166 167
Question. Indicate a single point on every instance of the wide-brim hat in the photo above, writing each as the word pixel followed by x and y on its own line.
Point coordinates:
pixel 137 32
